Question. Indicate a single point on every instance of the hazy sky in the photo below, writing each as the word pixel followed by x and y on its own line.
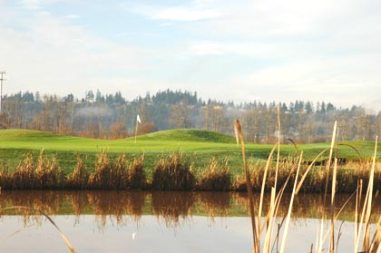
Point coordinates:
pixel 230 50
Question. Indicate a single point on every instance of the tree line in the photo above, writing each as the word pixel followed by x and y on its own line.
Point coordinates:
pixel 101 115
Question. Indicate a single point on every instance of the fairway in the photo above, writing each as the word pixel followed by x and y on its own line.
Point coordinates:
pixel 199 146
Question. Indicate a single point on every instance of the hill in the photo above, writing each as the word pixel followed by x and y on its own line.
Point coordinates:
pixel 176 135
pixel 192 135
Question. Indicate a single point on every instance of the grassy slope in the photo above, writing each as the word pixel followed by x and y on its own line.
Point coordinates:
pixel 200 145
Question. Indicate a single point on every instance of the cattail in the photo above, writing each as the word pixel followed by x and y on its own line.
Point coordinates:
pixel 237 130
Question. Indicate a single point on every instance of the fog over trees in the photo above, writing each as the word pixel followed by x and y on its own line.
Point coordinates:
pixel 112 116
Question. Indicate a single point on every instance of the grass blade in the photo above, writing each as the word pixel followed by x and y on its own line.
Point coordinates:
pixel 283 243
pixel 238 131
pixel 63 236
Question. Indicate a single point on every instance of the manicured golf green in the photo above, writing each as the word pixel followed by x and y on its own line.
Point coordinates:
pixel 198 145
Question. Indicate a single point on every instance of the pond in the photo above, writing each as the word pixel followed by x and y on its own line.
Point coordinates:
pixel 156 222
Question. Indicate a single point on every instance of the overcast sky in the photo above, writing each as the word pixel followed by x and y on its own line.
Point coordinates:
pixel 266 50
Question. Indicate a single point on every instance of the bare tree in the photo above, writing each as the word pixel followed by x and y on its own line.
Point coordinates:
pixel 179 116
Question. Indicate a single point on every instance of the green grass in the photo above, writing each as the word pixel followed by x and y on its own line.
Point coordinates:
pixel 199 145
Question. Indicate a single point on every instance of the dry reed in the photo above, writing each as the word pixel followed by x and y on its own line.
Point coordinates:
pixel 78 179
pixel 216 177
pixel 173 173
pixel 370 244
pixel 136 176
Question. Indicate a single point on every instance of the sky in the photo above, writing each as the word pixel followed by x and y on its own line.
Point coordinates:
pixel 267 50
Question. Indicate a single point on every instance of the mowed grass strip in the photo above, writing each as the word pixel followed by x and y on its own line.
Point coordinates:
pixel 199 145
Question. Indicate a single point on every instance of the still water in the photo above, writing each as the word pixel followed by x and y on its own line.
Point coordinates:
pixel 154 222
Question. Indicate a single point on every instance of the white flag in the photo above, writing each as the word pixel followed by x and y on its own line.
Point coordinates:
pixel 138 119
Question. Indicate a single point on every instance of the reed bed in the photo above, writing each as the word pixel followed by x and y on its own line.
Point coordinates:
pixel 135 176
pixel 264 239
pixel 24 177
pixel 44 173
pixel 79 178
pixel 174 172
pixel 48 174
pixel 104 176
pixel 216 177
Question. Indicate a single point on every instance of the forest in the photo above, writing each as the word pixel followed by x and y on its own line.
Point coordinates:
pixel 111 116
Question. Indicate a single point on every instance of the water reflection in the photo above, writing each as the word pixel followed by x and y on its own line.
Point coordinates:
pixel 172 207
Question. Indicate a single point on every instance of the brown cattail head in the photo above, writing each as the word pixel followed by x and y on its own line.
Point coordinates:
pixel 237 131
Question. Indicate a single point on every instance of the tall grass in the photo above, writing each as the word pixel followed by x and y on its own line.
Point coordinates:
pixel 135 175
pixel 78 179
pixel 102 176
pixel 24 177
pixel 44 173
pixel 117 175
pixel 216 177
pixel 255 229
pixel 173 173
pixel 263 230
pixel 48 173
